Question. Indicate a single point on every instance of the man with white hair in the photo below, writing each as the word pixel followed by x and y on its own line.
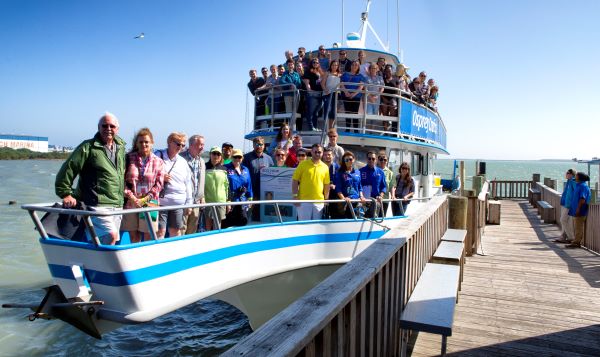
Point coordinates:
pixel 100 164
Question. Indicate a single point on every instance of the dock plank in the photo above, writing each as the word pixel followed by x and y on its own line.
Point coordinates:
pixel 526 296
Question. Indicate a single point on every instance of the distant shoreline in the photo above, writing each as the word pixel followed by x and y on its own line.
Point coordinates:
pixel 26 154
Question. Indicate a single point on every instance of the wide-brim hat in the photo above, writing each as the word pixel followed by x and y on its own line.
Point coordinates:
pixel 237 152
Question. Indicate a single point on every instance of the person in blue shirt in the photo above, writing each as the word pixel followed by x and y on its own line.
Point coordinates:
pixel 566 221
pixel 352 84
pixel 293 79
pixel 348 184
pixel 240 185
pixel 373 182
pixel 579 207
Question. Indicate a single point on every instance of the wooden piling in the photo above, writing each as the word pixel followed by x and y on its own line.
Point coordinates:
pixel 457 212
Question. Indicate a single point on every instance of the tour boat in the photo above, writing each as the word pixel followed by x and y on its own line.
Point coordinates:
pixel 259 268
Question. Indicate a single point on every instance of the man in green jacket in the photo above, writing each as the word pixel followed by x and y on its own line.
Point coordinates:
pixel 100 164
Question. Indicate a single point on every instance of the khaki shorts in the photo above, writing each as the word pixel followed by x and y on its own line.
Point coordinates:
pixel 133 222
pixel 209 212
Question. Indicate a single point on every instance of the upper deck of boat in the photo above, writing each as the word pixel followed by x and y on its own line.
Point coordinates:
pixel 527 295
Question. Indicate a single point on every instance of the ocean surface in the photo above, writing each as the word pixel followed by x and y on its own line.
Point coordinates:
pixel 205 328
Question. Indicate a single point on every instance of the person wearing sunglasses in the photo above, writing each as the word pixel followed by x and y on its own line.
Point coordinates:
pixel 100 165
pixel 373 182
pixel 240 186
pixel 348 185
pixel 177 189
pixel 216 189
pixel 311 182
pixel 280 157
pixel 255 161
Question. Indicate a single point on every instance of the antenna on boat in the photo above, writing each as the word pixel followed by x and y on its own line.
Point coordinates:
pixel 356 40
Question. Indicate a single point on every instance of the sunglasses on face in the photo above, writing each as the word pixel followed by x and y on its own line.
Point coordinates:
pixel 106 126
pixel 237 157
pixel 216 153
pixel 301 155
pixel 178 144
pixel 349 159
pixel 371 159
pixel 381 159
pixel 404 168
pixel 280 155
pixel 259 144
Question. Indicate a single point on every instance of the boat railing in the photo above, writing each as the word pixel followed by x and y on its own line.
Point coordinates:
pixel 390 119
pixel 86 215
pixel 270 107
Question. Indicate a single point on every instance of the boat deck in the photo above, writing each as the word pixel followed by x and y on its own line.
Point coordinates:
pixel 526 297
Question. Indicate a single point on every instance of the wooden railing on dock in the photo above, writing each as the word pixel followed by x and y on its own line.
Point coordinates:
pixel 355 311
pixel 509 189
pixel 592 225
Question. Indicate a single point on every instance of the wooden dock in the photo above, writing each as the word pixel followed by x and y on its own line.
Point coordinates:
pixel 527 296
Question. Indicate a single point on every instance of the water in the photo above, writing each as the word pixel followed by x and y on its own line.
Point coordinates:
pixel 206 328
pixel 518 170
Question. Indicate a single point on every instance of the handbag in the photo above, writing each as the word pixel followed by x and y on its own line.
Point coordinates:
pixel 153 214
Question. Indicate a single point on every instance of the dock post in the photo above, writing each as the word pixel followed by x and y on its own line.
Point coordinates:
pixel 478 183
pixel 457 212
pixel 462 176
pixel 536 178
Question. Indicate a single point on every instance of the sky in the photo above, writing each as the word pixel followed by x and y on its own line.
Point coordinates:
pixel 517 78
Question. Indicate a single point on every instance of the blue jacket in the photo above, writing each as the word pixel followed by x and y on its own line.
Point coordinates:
pixel 582 190
pixel 290 78
pixel 239 185
pixel 375 178
pixel 565 198
pixel 348 184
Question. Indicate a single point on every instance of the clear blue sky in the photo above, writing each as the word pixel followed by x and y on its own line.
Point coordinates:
pixel 517 78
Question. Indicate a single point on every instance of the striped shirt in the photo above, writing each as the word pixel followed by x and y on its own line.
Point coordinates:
pixel 141 173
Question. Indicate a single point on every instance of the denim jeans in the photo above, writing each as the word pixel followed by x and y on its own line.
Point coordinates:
pixel 313 105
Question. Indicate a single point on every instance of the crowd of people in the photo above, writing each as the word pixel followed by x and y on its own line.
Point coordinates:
pixel 318 77
pixel 574 204
pixel 109 179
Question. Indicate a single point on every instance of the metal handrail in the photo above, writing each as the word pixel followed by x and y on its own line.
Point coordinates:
pixel 47 207
pixel 399 95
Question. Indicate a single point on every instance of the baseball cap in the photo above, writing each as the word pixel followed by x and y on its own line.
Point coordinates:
pixel 227 144
pixel 215 149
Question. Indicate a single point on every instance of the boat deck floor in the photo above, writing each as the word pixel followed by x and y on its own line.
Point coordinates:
pixel 527 296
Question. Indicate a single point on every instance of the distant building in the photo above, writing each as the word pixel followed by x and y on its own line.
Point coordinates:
pixel 33 143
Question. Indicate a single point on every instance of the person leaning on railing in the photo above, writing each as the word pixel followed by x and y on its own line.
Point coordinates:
pixel 292 79
pixel 143 183
pixel 100 165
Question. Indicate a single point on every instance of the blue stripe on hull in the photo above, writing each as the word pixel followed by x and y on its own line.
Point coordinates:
pixel 157 271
